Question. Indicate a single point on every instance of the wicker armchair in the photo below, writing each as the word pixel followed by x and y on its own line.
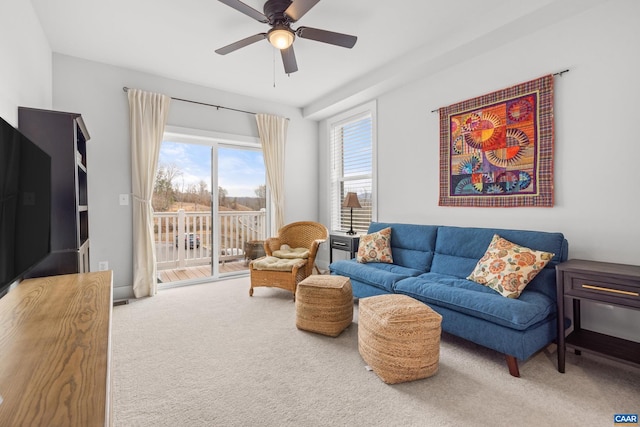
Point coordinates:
pixel 303 234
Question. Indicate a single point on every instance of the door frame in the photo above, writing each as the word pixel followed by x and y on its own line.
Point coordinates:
pixel 214 140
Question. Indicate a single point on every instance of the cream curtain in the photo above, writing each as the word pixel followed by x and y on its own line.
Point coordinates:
pixel 148 116
pixel 273 136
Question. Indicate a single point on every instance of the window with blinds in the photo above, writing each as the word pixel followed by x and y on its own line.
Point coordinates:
pixel 352 141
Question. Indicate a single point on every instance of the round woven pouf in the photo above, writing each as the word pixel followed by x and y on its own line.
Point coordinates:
pixel 324 304
pixel 399 337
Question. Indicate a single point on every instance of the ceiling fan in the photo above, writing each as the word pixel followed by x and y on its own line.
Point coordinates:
pixel 280 14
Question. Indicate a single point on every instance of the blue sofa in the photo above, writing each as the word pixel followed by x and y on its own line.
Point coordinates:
pixel 431 263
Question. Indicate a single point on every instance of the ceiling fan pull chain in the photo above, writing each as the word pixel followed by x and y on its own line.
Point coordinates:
pixel 274 66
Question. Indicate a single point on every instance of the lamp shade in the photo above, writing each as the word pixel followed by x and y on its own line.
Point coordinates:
pixel 351 201
pixel 280 38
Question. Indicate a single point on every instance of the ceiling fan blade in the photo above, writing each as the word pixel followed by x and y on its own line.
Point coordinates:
pixel 241 43
pixel 289 60
pixel 325 36
pixel 298 8
pixel 246 9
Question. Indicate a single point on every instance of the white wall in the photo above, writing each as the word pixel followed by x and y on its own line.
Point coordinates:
pixel 95 90
pixel 596 147
pixel 25 70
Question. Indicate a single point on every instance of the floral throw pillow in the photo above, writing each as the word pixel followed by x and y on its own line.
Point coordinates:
pixel 375 247
pixel 507 268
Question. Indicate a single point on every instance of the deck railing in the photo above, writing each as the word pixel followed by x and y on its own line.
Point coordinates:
pixel 187 238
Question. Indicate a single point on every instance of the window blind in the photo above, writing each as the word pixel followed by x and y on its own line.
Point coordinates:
pixel 351 142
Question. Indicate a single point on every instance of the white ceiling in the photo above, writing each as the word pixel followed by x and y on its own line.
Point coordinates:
pixel 177 39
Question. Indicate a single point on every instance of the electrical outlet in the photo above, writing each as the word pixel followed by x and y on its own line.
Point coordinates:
pixel 103 265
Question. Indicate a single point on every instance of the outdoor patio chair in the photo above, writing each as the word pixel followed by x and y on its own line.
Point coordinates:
pixel 290 257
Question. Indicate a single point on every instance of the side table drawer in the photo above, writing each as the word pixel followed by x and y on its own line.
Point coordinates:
pixel 343 243
pixel 602 288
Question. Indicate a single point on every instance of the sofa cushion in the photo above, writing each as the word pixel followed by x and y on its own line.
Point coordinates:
pixel 507 268
pixel 377 274
pixel 288 252
pixel 458 250
pixel 477 300
pixel 412 245
pixel 277 264
pixel 375 247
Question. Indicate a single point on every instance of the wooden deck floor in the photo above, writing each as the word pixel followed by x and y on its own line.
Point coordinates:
pixel 201 271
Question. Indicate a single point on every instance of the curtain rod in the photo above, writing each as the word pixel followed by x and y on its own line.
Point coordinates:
pixel 126 89
pixel 559 73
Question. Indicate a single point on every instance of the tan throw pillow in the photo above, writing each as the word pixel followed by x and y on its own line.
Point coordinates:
pixel 507 268
pixel 278 264
pixel 375 247
pixel 288 252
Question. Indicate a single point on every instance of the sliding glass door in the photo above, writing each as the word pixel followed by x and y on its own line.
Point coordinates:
pixel 242 201
pixel 210 206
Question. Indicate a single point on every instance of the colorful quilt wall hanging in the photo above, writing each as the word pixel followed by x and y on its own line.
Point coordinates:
pixel 496 150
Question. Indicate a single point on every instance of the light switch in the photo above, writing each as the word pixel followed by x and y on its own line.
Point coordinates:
pixel 124 199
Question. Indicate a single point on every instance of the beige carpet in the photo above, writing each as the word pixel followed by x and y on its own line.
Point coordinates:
pixel 210 355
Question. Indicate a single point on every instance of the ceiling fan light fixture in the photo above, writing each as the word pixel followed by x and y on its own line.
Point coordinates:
pixel 280 38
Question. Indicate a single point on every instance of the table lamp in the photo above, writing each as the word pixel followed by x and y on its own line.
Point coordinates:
pixel 351 201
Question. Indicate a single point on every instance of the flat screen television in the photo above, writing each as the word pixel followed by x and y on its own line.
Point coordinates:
pixel 25 205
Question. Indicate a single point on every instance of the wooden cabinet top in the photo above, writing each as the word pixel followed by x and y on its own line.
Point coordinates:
pixel 55 351
pixel 603 268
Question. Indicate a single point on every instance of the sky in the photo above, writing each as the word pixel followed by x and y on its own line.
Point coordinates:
pixel 240 171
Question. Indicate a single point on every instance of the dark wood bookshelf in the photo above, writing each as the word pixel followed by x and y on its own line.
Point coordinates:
pixel 63 136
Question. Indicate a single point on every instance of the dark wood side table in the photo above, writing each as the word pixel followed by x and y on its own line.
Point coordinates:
pixel 602 282
pixel 343 242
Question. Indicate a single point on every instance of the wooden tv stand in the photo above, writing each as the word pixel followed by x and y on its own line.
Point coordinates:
pixel 55 350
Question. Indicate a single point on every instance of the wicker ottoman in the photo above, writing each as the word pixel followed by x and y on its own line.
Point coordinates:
pixel 324 304
pixel 399 337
